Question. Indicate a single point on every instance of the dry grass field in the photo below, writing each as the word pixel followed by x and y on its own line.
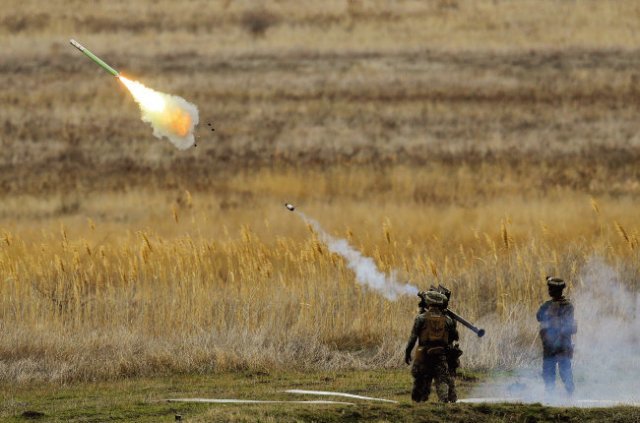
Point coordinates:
pixel 477 144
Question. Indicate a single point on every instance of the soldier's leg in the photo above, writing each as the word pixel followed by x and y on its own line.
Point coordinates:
pixel 420 390
pixel 442 380
pixel 549 373
pixel 427 391
pixel 566 374
pixel 453 394
pixel 453 365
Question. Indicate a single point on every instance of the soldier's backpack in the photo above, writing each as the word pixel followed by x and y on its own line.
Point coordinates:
pixel 559 315
pixel 554 316
pixel 434 331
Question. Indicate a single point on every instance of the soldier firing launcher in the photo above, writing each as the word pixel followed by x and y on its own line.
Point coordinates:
pixel 441 289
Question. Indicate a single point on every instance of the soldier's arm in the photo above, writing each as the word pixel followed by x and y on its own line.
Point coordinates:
pixel 453 331
pixel 540 315
pixel 415 331
pixel 572 326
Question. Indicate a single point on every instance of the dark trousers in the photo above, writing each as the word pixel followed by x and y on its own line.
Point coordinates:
pixel 549 372
pixel 424 372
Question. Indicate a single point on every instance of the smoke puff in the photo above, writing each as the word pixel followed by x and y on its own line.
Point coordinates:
pixel 170 116
pixel 163 125
pixel 367 273
pixel 607 361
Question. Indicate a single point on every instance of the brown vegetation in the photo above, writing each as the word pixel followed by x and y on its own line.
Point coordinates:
pixel 337 83
pixel 145 282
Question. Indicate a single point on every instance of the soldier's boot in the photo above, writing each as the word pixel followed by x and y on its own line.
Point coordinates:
pixel 566 374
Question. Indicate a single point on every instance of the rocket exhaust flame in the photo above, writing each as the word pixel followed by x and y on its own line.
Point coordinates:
pixel 170 116
pixel 147 98
pixel 367 273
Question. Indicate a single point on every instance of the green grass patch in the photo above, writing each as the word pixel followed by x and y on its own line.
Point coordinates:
pixel 144 400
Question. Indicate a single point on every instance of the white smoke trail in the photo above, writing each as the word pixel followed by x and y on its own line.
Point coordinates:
pixel 367 274
pixel 170 116
pixel 606 365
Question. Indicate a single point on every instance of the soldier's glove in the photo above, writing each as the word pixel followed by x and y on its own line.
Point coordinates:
pixel 407 357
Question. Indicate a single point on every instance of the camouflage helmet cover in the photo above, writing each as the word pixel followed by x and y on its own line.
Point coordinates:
pixel 441 289
pixel 555 283
pixel 433 298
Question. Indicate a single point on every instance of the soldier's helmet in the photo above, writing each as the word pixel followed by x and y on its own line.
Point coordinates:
pixel 556 286
pixel 433 298
pixel 555 283
pixel 444 291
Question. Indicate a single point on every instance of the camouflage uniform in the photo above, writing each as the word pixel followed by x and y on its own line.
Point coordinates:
pixel 433 330
pixel 453 362
pixel 557 325
pixel 453 349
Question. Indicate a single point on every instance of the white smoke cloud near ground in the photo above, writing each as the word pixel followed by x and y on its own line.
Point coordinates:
pixel 170 116
pixel 367 273
pixel 606 364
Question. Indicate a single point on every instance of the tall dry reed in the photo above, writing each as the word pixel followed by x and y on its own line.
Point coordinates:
pixel 184 284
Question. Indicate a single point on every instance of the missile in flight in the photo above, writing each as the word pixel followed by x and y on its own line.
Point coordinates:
pixel 95 58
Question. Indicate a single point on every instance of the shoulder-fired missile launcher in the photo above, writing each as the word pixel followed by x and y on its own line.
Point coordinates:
pixel 447 293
